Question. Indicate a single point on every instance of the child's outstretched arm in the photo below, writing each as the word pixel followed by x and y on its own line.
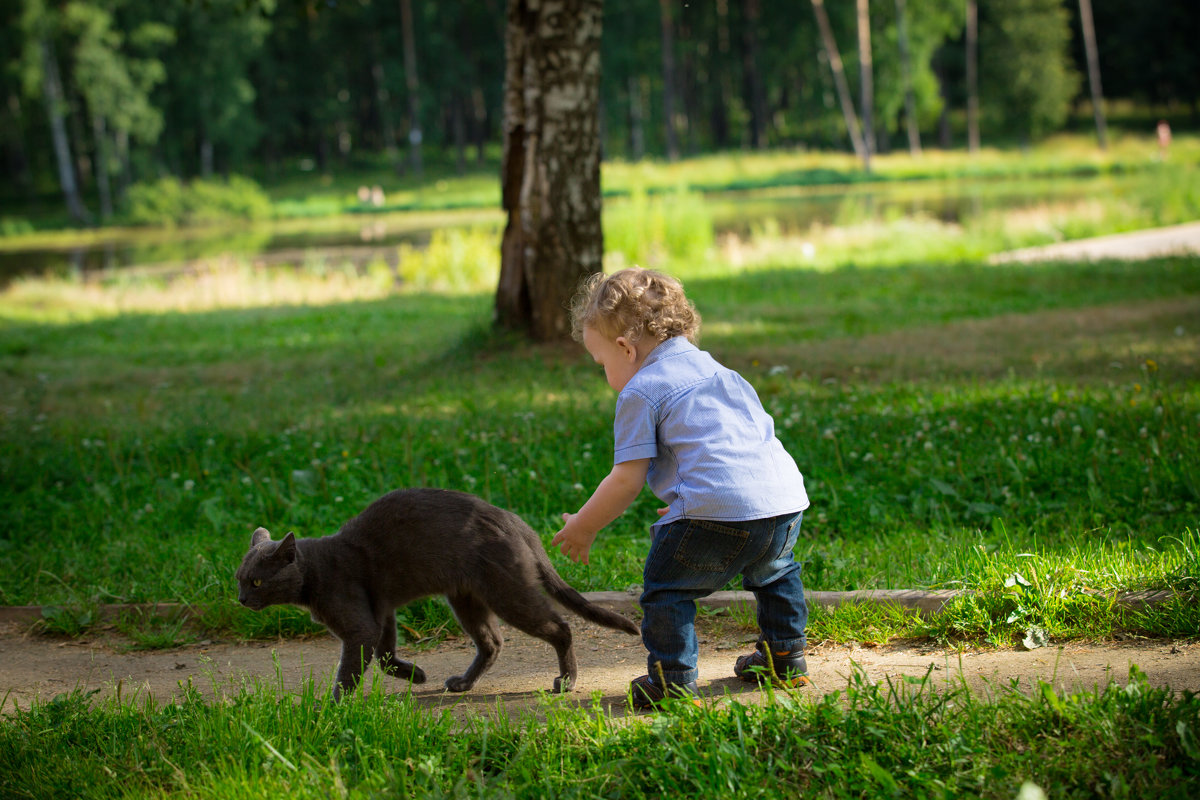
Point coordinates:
pixel 612 496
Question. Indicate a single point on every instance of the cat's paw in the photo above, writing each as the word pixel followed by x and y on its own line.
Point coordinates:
pixel 564 684
pixel 399 668
pixel 459 683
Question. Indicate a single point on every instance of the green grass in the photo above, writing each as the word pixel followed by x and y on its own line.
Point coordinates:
pixel 1025 432
pixel 871 739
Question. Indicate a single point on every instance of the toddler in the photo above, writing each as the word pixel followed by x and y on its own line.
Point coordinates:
pixel 697 434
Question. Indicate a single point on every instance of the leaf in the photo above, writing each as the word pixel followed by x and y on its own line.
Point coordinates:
pixel 1050 696
pixel 1035 637
pixel 1188 740
pixel 1017 580
pixel 881 775
pixel 944 487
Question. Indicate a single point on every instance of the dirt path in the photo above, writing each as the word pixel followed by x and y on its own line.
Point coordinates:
pixel 1151 243
pixel 36 667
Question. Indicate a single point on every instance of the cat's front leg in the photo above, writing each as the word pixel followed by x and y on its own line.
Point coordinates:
pixel 356 655
pixel 389 662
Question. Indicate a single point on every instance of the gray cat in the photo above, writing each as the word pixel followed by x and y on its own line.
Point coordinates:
pixel 413 543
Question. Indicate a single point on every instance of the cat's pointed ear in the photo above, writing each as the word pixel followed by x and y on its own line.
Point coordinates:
pixel 260 535
pixel 287 548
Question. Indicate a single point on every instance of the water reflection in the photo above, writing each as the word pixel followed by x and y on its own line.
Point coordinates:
pixel 786 209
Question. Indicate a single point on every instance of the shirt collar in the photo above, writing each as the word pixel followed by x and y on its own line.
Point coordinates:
pixel 674 346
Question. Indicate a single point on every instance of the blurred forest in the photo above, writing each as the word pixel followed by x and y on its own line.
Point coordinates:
pixel 97 95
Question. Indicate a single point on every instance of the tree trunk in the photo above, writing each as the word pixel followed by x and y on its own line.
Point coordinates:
pixel 383 101
pixel 972 76
pixel 101 166
pixel 839 81
pixel 755 94
pixel 550 176
pixel 1093 63
pixel 414 86
pixel 668 77
pixel 723 99
pixel 637 132
pixel 52 94
pixel 910 100
pixel 866 76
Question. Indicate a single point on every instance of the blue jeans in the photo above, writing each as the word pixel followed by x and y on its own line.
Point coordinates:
pixel 690 559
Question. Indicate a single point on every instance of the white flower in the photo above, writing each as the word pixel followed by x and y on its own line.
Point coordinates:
pixel 188 485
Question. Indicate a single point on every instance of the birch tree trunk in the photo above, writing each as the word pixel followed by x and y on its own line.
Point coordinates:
pixel 910 100
pixel 839 81
pixel 1093 63
pixel 866 78
pixel 52 95
pixel 972 76
pixel 550 174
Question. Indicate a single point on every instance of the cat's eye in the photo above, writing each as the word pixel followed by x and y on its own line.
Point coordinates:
pixel 257 582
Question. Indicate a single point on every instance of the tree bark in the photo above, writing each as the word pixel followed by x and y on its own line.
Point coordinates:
pixel 839 81
pixel 755 93
pixel 1093 63
pixel 550 175
pixel 972 76
pixel 910 100
pixel 99 131
pixel 52 94
pixel 866 78
pixel 415 136
pixel 668 77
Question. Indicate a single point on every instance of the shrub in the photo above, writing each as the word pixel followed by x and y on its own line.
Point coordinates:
pixel 167 202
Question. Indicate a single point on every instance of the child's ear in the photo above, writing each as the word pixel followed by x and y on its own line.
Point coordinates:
pixel 628 347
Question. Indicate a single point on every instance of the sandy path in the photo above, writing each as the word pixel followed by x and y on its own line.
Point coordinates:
pixel 36 667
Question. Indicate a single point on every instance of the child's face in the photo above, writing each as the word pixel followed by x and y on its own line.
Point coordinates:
pixel 619 358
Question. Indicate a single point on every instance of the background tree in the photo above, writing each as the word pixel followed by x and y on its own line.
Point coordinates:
pixel 1025 70
pixel 550 175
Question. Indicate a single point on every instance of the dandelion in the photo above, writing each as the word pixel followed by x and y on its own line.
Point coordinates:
pixel 1151 364
pixel 1101 433
pixel 188 485
pixel 929 445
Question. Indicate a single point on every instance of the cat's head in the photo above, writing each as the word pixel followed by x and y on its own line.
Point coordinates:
pixel 269 573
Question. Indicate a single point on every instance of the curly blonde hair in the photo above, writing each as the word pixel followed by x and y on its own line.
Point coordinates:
pixel 635 303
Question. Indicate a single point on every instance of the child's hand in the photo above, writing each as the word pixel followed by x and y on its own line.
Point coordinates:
pixel 662 512
pixel 574 542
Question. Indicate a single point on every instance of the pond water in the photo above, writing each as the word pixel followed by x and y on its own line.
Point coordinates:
pixel 361 239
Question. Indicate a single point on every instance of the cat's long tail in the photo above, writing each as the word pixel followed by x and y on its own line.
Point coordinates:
pixel 561 591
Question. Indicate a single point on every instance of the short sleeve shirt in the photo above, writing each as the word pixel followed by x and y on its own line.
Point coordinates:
pixel 711 444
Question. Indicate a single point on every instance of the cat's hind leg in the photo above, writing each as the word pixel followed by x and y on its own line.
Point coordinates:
pixel 479 623
pixel 528 610
pixel 385 651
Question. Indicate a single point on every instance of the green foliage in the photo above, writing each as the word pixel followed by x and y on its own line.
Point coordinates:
pixel 651 229
pixel 1026 70
pixel 167 202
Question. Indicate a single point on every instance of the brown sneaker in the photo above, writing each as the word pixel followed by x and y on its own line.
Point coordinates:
pixel 787 667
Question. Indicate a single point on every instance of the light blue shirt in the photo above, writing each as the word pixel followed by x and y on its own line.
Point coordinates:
pixel 711 444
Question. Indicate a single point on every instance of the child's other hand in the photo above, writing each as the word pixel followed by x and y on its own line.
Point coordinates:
pixel 574 542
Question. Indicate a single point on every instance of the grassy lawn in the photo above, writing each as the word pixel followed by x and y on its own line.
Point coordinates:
pixel 1028 432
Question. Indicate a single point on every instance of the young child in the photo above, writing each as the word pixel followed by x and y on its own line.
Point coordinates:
pixel 696 432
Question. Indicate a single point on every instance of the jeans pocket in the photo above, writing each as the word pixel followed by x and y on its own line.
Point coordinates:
pixel 710 547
